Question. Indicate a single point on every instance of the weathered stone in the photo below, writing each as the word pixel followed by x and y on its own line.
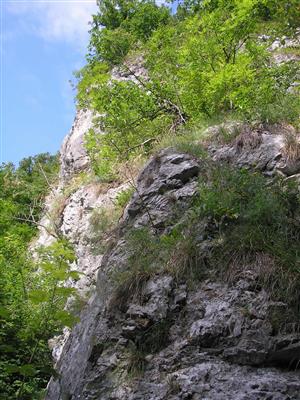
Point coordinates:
pixel 73 154
pixel 168 177
pixel 157 290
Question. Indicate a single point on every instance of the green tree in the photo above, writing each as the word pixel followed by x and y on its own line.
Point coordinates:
pixel 31 294
pixel 206 63
pixel 120 24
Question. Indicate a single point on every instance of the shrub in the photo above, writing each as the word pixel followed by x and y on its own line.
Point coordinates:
pixel 129 129
pixel 25 365
pixel 207 64
pixel 123 197
pixel 113 45
pixel 37 310
pixel 146 19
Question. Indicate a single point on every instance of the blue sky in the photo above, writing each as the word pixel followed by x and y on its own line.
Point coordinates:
pixel 43 42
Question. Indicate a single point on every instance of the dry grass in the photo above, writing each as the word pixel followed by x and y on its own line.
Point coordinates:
pixel 222 134
pixel 129 170
pixel 186 141
pixel 266 272
pixel 248 139
pixel 136 363
pixel 291 50
pixel 292 145
pixel 173 385
pixel 56 210
pixel 280 284
pixel 185 262
pixel 103 227
pixel 259 265
pixel 61 199
pixel 130 287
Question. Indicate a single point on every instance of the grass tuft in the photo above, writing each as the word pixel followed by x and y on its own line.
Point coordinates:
pixel 185 141
pixel 292 145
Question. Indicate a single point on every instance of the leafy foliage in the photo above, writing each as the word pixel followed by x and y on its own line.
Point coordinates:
pixel 31 302
pixel 205 61
pixel 121 23
pixel 123 197
pixel 254 222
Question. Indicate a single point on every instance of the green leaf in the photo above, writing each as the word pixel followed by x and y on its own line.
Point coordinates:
pixel 11 368
pixel 38 296
pixel 75 274
pixel 65 291
pixel 66 318
pixel 4 313
pixel 28 370
pixel 6 348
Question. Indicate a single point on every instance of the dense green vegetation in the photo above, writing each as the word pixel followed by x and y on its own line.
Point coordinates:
pixel 31 303
pixel 208 60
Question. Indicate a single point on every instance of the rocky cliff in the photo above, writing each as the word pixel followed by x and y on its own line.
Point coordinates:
pixel 157 336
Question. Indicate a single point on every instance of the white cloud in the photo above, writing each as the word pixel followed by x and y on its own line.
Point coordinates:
pixel 55 20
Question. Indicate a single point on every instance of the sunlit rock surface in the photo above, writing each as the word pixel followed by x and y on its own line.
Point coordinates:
pixel 73 154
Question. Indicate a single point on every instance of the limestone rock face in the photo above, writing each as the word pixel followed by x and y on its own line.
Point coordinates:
pixel 73 154
pixel 76 228
pixel 68 210
pixel 220 339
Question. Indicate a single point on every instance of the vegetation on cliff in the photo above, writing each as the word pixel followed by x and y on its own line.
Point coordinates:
pixel 207 60
pixel 190 64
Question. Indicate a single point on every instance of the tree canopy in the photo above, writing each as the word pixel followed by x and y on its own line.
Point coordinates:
pixel 210 59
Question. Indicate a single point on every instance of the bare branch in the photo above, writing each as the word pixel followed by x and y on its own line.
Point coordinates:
pixel 38 224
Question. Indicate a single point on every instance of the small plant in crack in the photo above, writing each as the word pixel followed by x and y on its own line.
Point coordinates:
pixel 173 385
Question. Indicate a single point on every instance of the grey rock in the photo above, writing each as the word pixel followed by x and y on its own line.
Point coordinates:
pixel 73 155
pixel 156 308
pixel 168 178
pixel 132 70
pixel 265 156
